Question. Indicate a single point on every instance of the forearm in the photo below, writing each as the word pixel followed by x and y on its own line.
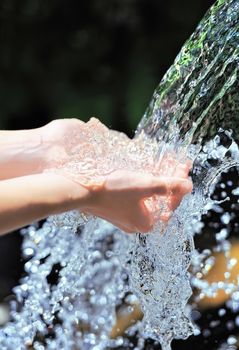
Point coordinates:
pixel 22 153
pixel 30 198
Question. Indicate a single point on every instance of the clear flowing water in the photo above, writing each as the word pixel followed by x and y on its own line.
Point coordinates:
pixel 79 270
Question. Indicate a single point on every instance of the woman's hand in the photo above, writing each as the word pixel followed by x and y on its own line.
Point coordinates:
pixel 65 139
pixel 121 198
pixel 67 146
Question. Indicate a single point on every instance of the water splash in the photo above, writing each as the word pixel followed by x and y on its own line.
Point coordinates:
pixel 78 273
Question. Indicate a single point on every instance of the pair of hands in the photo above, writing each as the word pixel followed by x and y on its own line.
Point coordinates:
pixel 122 195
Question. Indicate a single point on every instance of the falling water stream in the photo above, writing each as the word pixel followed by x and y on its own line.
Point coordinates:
pixel 79 269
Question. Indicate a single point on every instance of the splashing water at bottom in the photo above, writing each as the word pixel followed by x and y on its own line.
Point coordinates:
pixel 79 273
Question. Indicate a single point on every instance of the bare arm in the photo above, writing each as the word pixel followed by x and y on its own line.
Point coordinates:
pixel 119 199
pixel 34 197
pixel 21 153
pixel 25 152
pixel 27 194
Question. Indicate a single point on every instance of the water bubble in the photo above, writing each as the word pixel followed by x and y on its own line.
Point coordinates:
pixel 236 191
pixel 206 333
pixel 232 262
pixel 227 275
pixel 222 235
pixel 214 323
pixel 221 312
pixel 230 325
pixel 225 218
pixel 195 315
pixel 237 321
pixel 28 252
pixel 231 340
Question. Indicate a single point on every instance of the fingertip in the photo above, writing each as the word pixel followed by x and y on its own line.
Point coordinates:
pixel 188 186
pixel 165 217
pixel 181 186
pixel 145 228
pixel 189 163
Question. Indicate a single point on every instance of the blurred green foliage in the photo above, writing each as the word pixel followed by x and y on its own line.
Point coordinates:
pixel 80 58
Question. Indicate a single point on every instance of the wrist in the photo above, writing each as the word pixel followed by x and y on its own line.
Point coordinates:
pixel 22 153
pixel 69 195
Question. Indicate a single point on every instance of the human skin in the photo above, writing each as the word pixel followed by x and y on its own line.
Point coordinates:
pixel 28 194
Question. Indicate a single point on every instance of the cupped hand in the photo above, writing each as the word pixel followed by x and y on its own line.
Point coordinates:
pixel 63 138
pixel 120 199
pixel 57 136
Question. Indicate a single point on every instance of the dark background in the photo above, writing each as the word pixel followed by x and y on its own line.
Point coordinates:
pixel 80 59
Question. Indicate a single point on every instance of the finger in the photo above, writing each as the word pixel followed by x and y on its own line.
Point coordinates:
pixel 144 221
pixel 182 171
pixel 165 216
pixel 174 202
pixel 180 187
pixel 136 219
pixel 165 186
